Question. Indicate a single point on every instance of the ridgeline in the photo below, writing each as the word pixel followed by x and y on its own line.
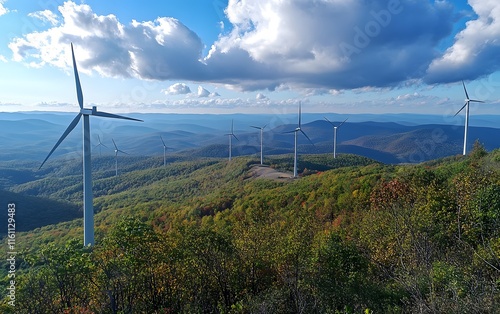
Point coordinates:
pixel 351 235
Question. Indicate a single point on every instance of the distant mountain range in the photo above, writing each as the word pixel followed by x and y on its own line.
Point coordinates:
pixel 407 139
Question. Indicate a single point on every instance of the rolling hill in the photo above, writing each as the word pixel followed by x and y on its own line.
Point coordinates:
pixel 36 212
pixel 203 135
pixel 205 235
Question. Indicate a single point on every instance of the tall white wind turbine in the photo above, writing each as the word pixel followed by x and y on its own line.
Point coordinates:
pixel 466 106
pixel 231 135
pixel 88 211
pixel 296 131
pixel 165 147
pixel 261 141
pixel 335 127
pixel 116 156
pixel 99 145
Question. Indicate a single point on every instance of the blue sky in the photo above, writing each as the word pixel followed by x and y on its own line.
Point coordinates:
pixel 259 56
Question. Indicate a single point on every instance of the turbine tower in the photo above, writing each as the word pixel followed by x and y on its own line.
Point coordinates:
pixel 231 135
pixel 116 157
pixel 296 131
pixel 164 151
pixel 261 142
pixel 99 145
pixel 466 106
pixel 335 127
pixel 88 211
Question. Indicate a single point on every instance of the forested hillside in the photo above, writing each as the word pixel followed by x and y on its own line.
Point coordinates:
pixel 351 236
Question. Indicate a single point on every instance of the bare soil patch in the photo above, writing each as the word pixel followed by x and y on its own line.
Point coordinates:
pixel 262 171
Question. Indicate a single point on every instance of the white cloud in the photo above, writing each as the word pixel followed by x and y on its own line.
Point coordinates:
pixel 161 49
pixel 3 59
pixel 3 10
pixel 330 43
pixel 202 92
pixel 322 46
pixel 261 96
pixel 414 95
pixel 177 89
pixel 46 16
pixel 475 50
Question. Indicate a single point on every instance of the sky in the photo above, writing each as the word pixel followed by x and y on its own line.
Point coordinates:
pixel 251 56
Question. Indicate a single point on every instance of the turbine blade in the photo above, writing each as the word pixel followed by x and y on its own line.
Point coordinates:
pixel 255 127
pixel 121 151
pixel 465 90
pixel 100 143
pixel 460 110
pixel 79 92
pixel 343 122
pixel 290 132
pixel 328 120
pixel 235 137
pixel 264 126
pixel 474 100
pixel 300 114
pixel 306 136
pixel 163 141
pixel 70 128
pixel 114 144
pixel 111 115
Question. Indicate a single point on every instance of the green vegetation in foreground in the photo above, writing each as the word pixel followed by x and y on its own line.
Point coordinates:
pixel 361 238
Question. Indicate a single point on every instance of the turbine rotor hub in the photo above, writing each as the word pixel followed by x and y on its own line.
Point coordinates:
pixel 87 112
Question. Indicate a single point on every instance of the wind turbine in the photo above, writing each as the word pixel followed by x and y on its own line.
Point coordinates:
pixel 116 157
pixel 296 131
pixel 261 136
pixel 335 135
pixel 231 135
pixel 99 145
pixel 88 211
pixel 164 151
pixel 466 106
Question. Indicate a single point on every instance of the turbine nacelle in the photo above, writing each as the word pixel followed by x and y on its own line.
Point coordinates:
pixel 296 131
pixel 87 112
pixel 335 127
pixel 466 106
pixel 88 213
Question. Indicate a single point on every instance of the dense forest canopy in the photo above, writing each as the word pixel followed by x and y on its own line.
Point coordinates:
pixel 351 236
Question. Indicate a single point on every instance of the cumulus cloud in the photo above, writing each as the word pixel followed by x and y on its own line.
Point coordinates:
pixel 261 96
pixel 177 89
pixel 202 92
pixel 334 44
pixel 3 59
pixel 326 45
pixel 3 10
pixel 161 49
pixel 46 16
pixel 475 50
